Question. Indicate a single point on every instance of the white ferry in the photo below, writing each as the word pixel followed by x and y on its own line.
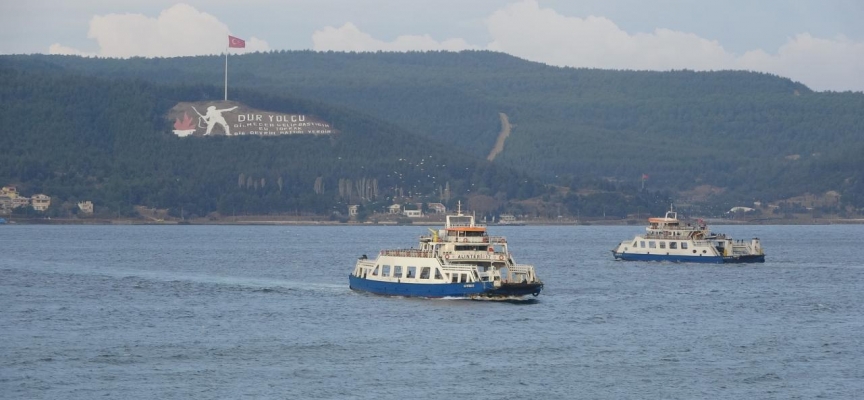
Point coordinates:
pixel 668 239
pixel 460 261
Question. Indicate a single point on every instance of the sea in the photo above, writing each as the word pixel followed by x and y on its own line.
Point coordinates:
pixel 265 312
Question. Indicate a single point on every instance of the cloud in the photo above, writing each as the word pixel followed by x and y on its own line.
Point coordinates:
pixel 349 38
pixel 822 64
pixel 60 49
pixel 526 30
pixel 522 28
pixel 180 30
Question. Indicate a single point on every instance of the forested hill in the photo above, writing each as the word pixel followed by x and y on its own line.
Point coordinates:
pixel 740 135
pixel 84 138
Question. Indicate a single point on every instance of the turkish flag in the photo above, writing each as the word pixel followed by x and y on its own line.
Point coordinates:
pixel 236 42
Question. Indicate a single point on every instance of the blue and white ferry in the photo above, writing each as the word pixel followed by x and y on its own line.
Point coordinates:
pixel 668 239
pixel 460 261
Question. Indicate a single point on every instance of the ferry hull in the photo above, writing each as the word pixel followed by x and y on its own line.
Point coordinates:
pixel 757 258
pixel 466 290
pixel 690 259
pixel 515 290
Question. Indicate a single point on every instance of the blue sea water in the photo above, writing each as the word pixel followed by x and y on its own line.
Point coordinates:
pixel 265 312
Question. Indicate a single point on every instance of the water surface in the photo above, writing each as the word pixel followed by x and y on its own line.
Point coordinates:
pixel 265 312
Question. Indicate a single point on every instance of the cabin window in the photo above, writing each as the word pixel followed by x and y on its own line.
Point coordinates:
pixel 652 245
pixel 385 270
pixel 424 273
pixel 684 245
pixel 634 244
pixel 397 271
pixel 673 245
pixel 438 274
pixel 463 278
pixel 470 248
pixel 375 271
pixel 412 272
pixel 642 244
pixel 662 245
pixel 455 278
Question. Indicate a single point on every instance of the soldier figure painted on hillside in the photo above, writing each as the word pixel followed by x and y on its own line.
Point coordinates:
pixel 213 117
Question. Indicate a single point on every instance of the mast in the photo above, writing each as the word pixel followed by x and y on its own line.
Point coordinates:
pixel 226 74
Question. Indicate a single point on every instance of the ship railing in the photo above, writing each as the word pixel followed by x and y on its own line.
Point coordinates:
pixel 465 225
pixel 497 239
pixel 407 253
pixel 458 267
pixel 742 248
pixel 682 234
pixel 454 239
pixel 363 267
pixel 519 273
pixel 470 239
pixel 470 270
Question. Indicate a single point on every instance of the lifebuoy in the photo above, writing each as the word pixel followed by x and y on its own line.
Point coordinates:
pixel 501 258
pixel 446 256
pixel 465 240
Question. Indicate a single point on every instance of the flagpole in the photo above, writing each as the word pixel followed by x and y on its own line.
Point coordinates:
pixel 226 74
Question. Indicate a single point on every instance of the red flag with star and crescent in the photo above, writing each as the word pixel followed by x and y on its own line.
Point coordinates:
pixel 236 42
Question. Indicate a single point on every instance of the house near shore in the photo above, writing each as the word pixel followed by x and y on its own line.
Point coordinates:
pixel 413 213
pixel 41 202
pixel 86 207
pixel 10 199
pixel 436 208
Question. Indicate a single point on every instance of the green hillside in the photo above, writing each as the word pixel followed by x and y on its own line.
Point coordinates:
pixel 83 138
pixel 747 136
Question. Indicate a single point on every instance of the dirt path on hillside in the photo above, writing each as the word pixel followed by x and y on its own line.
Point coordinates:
pixel 502 136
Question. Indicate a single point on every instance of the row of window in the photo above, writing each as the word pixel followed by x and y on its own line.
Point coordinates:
pixel 411 272
pixel 653 244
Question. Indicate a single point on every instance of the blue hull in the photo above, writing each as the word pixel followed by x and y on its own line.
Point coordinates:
pixel 420 290
pixel 516 290
pixel 745 259
pixel 689 259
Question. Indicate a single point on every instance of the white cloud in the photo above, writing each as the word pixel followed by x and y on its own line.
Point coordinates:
pixel 522 28
pixel 180 30
pixel 60 49
pixel 526 30
pixel 349 38
pixel 822 64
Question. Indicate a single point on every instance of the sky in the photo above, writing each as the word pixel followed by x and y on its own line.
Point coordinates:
pixel 819 43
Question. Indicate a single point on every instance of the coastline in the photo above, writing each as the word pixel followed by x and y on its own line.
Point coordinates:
pixel 276 221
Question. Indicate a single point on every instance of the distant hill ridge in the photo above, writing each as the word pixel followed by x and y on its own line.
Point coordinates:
pixel 110 141
pixel 756 136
